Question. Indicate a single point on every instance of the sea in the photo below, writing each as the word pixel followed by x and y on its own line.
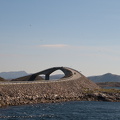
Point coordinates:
pixel 74 110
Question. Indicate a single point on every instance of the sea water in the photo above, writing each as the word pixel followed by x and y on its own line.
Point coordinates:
pixel 76 110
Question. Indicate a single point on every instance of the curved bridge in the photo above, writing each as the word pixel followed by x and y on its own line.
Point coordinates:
pixel 68 74
pixel 27 90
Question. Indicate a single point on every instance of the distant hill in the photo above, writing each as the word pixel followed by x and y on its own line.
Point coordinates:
pixel 108 77
pixel 13 74
pixel 57 76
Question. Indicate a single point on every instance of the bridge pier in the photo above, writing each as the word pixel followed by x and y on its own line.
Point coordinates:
pixel 47 76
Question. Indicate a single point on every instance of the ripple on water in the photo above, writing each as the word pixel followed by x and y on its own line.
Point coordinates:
pixel 63 111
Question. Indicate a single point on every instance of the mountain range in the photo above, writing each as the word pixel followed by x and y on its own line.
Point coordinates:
pixel 108 77
pixel 13 74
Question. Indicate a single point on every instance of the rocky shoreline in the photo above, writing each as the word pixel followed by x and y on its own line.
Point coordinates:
pixel 104 95
pixel 80 89
pixel 108 84
pixel 13 101
pixel 7 98
pixel 20 93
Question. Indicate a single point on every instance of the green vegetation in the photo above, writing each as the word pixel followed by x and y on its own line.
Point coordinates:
pixel 109 84
pixel 87 91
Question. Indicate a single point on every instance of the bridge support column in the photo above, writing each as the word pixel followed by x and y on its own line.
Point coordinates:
pixel 47 76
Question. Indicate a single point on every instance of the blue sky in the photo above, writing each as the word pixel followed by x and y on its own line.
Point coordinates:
pixel 39 34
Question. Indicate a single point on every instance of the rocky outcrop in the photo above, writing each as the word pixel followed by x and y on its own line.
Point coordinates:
pixel 103 96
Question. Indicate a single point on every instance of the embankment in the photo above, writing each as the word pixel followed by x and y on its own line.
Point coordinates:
pixel 20 94
pixel 75 87
pixel 42 92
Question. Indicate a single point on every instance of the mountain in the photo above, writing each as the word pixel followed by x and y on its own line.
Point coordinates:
pixel 57 76
pixel 108 77
pixel 13 74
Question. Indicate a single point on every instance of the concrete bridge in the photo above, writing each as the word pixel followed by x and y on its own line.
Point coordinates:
pixel 71 78
pixel 27 90
pixel 68 72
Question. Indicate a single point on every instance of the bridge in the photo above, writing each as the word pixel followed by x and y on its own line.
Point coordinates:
pixel 27 90
pixel 69 73
pixel 72 78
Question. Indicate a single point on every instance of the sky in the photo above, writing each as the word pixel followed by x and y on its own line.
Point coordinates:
pixel 40 34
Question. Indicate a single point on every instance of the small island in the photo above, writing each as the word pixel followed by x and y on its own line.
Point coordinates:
pixel 73 86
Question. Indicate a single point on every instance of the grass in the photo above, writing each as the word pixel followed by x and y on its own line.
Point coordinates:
pixel 102 90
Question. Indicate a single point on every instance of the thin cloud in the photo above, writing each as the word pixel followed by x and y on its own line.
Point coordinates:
pixel 11 55
pixel 54 45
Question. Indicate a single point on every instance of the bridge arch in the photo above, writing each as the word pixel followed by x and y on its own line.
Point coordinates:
pixel 67 73
pixel 58 74
pixel 49 71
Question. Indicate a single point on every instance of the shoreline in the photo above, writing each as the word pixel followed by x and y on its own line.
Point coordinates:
pixel 95 95
pixel 75 87
pixel 68 89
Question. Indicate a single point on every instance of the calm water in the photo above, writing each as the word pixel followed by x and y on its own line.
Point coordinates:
pixel 63 111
